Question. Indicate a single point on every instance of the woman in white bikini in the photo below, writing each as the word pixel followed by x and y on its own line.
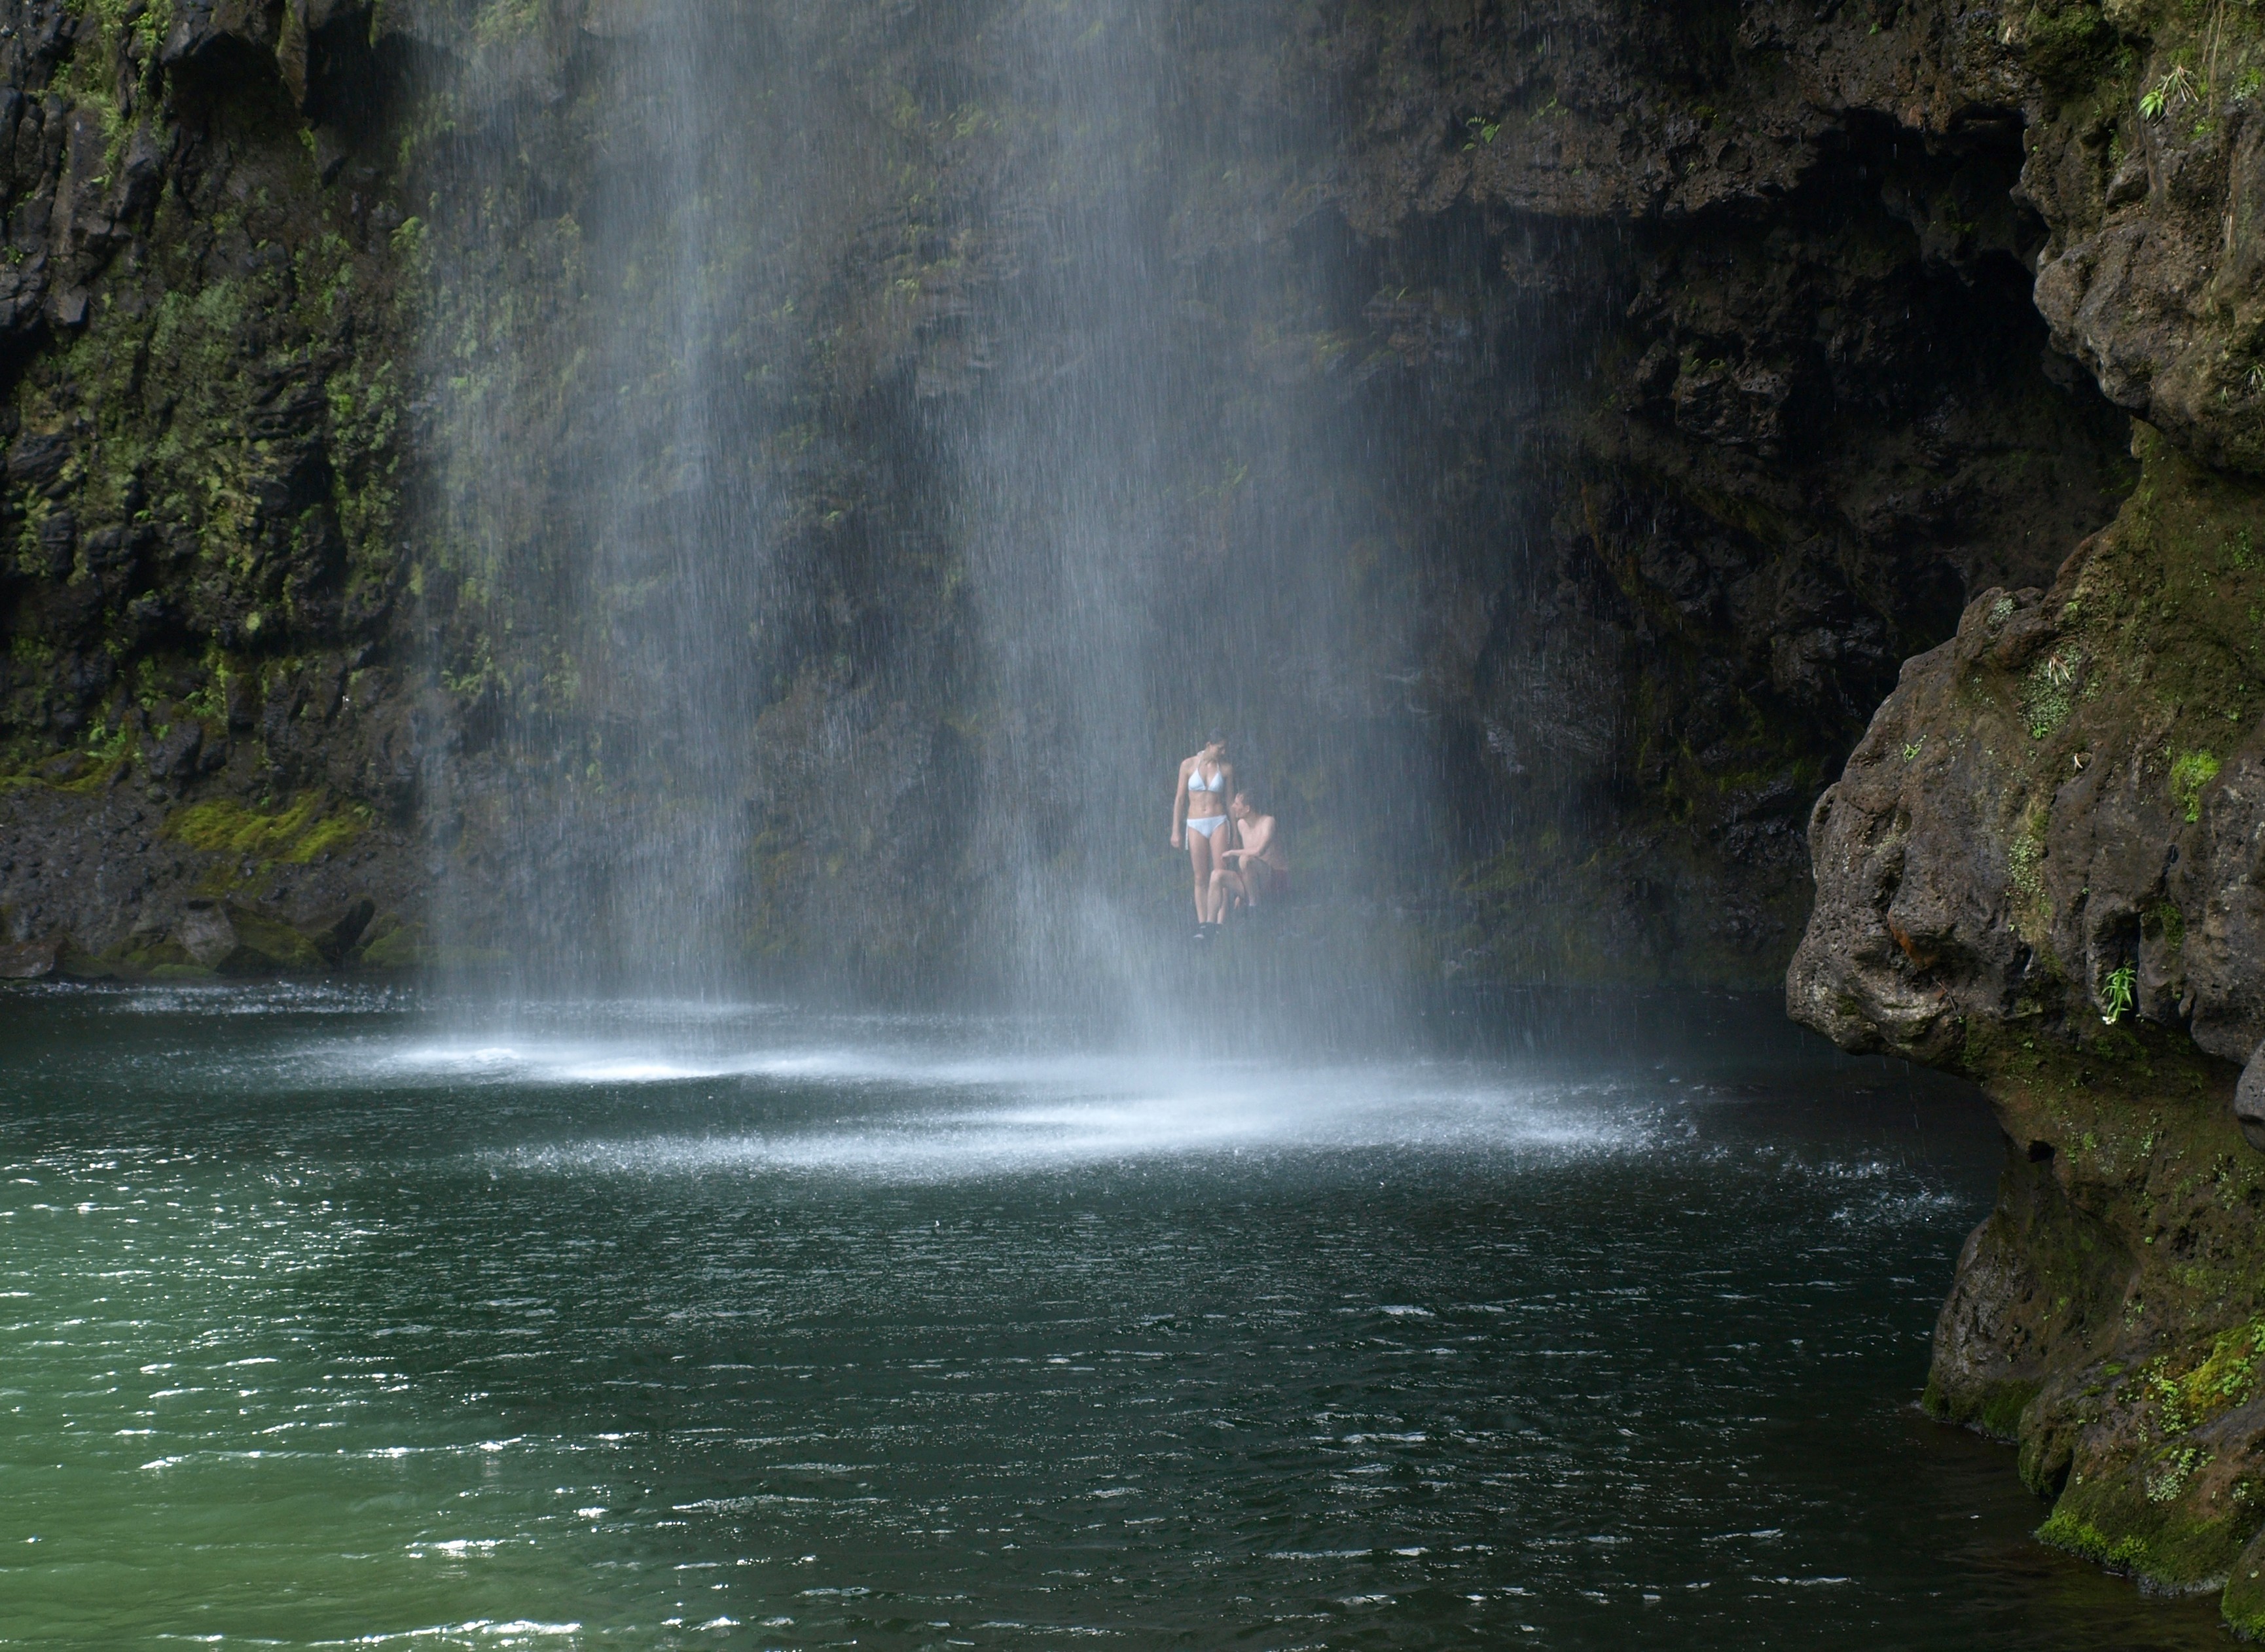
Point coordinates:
pixel 1199 816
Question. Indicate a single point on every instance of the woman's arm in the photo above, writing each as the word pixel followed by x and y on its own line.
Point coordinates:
pixel 1180 802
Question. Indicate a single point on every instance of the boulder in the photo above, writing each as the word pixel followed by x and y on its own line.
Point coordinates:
pixel 228 939
pixel 28 960
pixel 2249 1100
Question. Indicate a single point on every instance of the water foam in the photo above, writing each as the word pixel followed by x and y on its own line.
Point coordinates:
pixel 1005 1116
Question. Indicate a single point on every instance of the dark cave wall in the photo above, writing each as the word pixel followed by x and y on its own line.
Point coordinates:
pixel 1797 446
pixel 1796 408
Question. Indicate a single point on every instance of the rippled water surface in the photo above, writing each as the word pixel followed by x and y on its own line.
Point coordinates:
pixel 332 1318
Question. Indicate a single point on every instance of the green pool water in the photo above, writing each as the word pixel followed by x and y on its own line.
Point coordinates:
pixel 346 1319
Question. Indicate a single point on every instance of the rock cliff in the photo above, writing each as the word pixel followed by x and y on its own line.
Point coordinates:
pixel 211 750
pixel 2037 868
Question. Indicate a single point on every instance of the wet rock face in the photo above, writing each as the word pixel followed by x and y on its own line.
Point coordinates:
pixel 1701 370
pixel 2151 275
pixel 2249 1104
pixel 2037 867
pixel 203 697
pixel 1805 409
pixel 2036 870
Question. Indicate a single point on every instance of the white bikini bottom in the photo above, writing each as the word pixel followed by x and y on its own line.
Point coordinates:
pixel 1208 824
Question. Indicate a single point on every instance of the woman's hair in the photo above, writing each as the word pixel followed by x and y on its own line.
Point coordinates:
pixel 1217 737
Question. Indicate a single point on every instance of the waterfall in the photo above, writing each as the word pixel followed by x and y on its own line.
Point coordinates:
pixel 1152 535
pixel 610 258
pixel 875 444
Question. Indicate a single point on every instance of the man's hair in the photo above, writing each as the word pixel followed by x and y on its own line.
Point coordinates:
pixel 1248 793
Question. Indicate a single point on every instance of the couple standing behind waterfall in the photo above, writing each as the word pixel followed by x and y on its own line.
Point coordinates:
pixel 1235 851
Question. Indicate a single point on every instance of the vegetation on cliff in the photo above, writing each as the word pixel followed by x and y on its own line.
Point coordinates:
pixel 202 495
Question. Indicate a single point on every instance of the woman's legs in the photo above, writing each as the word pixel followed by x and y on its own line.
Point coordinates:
pixel 1200 862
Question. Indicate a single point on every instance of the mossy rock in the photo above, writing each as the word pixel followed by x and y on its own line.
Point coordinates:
pixel 396 945
pixel 2161 1546
pixel 75 963
pixel 1994 1409
pixel 266 947
pixel 314 825
pixel 2244 1600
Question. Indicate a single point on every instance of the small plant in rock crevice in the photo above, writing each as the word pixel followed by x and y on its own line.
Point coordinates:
pixel 106 746
pixel 2048 692
pixel 2120 982
pixel 2175 89
pixel 2174 1471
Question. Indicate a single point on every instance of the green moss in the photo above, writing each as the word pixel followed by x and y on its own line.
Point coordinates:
pixel 2146 1535
pixel 314 824
pixel 2193 771
pixel 2226 1377
pixel 396 946
pixel 227 827
pixel 2025 860
pixel 147 23
pixel 2243 1604
pixel 501 22
pixel 2135 1223
pixel 266 945
pixel 2068 43
pixel 182 972
pixel 177 365
pixel 92 777
pixel 2048 691
pixel 2065 1530
pixel 1994 1409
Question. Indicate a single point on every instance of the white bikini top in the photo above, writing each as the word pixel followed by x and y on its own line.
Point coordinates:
pixel 1197 782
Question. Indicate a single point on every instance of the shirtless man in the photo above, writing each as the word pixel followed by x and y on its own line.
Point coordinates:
pixel 1256 870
